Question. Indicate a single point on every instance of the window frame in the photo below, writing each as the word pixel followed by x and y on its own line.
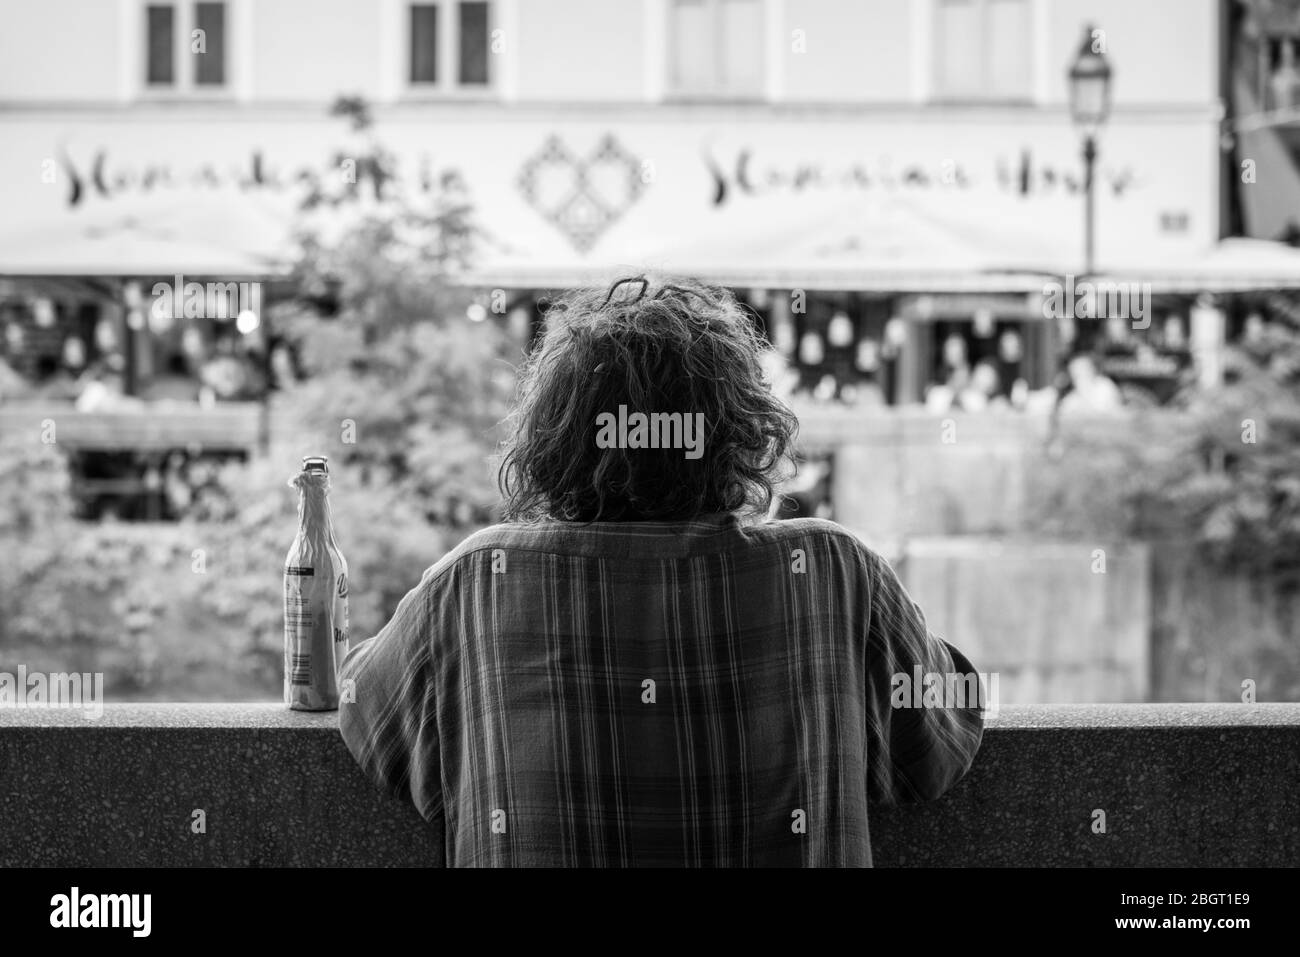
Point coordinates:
pixel 184 83
pixel 718 93
pixel 447 86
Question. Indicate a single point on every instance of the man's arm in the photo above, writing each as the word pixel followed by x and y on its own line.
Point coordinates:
pixel 387 714
pixel 915 753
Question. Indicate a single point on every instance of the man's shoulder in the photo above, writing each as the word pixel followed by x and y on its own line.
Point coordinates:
pixel 826 534
pixel 484 539
pixel 493 536
pixel 516 535
pixel 811 528
pixel 504 536
pixel 578 540
pixel 551 537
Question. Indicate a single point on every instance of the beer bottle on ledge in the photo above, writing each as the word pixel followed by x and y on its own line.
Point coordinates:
pixel 315 597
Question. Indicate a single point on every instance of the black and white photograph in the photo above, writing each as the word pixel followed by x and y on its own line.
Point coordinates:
pixel 594 435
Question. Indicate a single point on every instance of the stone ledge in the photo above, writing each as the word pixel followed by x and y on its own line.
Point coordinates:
pixel 1181 785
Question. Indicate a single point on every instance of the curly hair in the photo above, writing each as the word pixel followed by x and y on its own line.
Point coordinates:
pixel 678 346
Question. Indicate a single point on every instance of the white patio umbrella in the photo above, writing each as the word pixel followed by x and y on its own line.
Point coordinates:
pixel 1232 265
pixel 201 234
pixel 890 243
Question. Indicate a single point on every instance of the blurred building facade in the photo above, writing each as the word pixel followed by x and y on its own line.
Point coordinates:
pixel 890 184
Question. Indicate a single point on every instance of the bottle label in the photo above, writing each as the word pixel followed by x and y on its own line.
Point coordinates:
pixel 341 610
pixel 299 620
pixel 300 669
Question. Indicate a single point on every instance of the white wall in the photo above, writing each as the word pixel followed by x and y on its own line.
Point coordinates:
pixel 580 50
pixel 856 52
pixel 1162 51
pixel 59 50
pixel 314 49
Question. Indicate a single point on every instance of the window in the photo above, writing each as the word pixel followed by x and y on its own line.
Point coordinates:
pixel 210 66
pixel 450 44
pixel 185 46
pixel 424 43
pixel 716 48
pixel 162 44
pixel 983 49
pixel 473 44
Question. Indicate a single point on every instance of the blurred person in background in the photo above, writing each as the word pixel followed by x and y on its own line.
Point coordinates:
pixel 102 387
pixel 12 385
pixel 983 391
pixel 54 381
pixel 1117 339
pixel 956 370
pixel 1010 366
pixel 283 365
pixel 234 372
pixel 177 383
pixel 1090 390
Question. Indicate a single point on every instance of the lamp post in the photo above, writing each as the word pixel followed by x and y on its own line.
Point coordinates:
pixel 1089 77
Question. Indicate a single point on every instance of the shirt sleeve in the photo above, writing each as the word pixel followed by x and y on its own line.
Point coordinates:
pixel 387 713
pixel 921 740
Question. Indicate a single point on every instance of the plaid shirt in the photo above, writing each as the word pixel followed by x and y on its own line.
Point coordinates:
pixel 640 694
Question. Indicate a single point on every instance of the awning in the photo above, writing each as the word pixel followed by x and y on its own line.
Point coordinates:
pixel 1233 265
pixel 200 235
pixel 825 243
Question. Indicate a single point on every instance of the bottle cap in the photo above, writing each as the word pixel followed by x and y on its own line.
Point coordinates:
pixel 315 463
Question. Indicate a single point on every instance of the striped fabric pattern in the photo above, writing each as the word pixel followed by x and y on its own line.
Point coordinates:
pixel 705 693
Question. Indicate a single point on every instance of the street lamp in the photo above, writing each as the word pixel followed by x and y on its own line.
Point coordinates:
pixel 1089 106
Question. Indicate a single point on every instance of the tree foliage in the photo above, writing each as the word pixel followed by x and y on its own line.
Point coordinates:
pixel 401 390
pixel 1237 485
